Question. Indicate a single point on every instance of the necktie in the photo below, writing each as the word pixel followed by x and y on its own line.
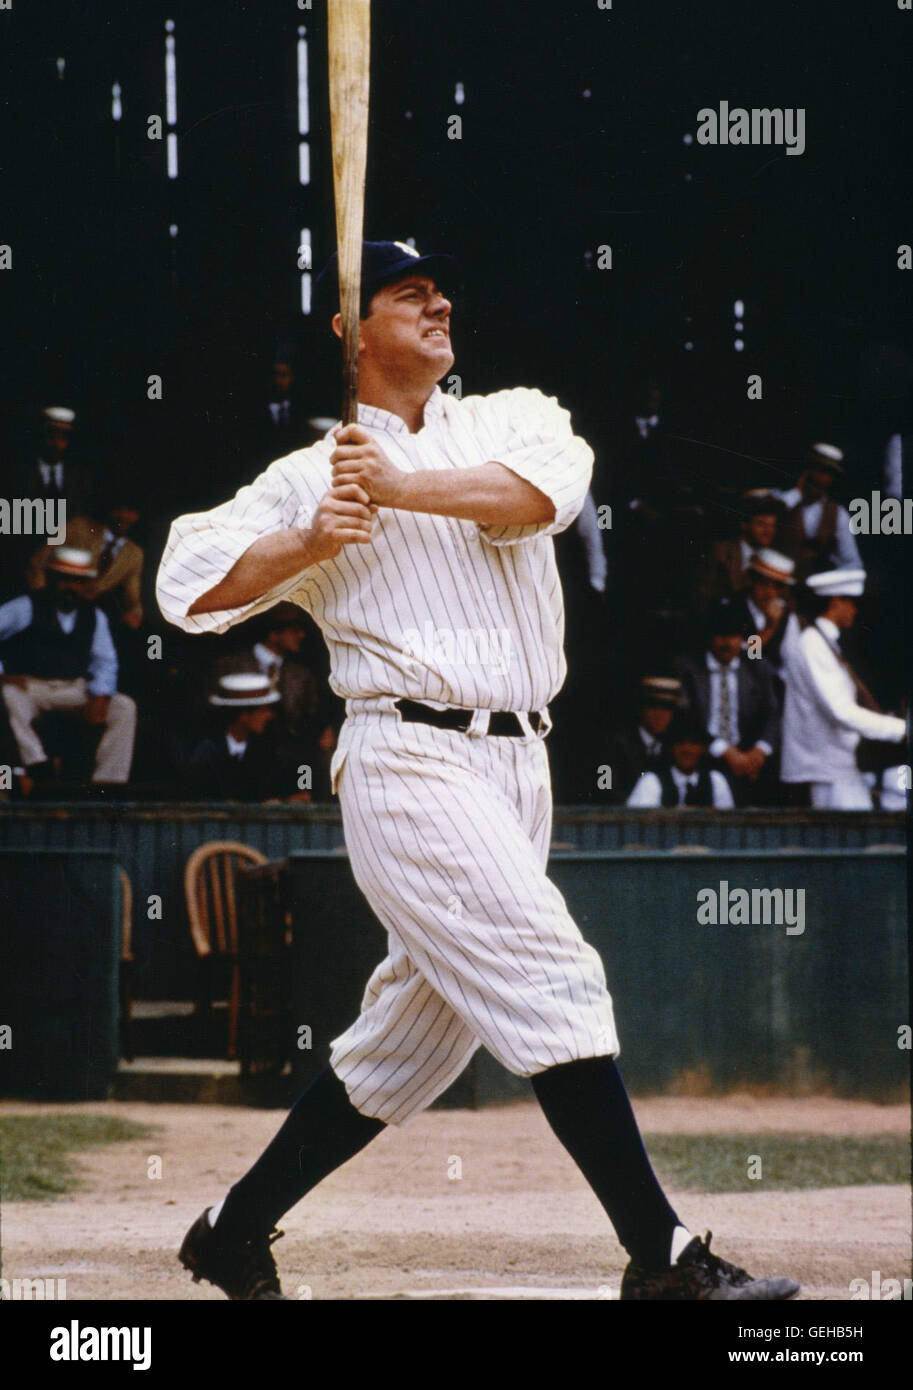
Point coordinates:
pixel 725 721
pixel 691 791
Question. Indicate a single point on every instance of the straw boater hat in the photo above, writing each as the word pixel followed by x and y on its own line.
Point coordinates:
pixel 67 559
pixel 844 583
pixel 243 691
pixel 660 692
pixel 59 415
pixel 826 456
pixel 770 564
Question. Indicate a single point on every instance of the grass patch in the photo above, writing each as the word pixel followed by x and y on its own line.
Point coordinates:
pixel 789 1162
pixel 35 1151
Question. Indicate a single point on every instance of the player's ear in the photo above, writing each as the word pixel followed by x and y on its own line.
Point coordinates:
pixel 336 325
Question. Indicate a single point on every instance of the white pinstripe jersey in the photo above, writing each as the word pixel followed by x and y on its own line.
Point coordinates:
pixel 435 609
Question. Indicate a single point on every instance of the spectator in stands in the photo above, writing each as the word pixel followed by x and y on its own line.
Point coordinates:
pixel 658 515
pixel 735 700
pixel 637 747
pixel 56 654
pixel 278 426
pixel 648 469
pixel 117 558
pixel 815 532
pixel 828 709
pixel 302 734
pixel 725 571
pixel 646 454
pixel 237 763
pixel 49 472
pixel 765 608
pixel 45 473
pixel 683 777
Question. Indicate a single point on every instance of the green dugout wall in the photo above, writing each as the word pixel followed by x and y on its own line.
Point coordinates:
pixel 701 1006
pixel 153 842
pixel 60 939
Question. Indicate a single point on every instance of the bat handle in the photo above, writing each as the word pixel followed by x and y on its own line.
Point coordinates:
pixel 350 383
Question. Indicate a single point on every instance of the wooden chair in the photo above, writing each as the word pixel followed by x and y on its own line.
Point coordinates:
pixel 212 908
pixel 126 966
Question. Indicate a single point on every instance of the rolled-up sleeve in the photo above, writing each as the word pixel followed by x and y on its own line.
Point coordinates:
pixel 203 547
pixel 533 437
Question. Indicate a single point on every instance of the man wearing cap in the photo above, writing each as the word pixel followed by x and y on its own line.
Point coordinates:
pixel 816 529
pixel 236 764
pixel 50 473
pixel 734 698
pixel 117 558
pixel 46 473
pixel 56 653
pixel 724 572
pixel 408 537
pixel 765 610
pixel 828 708
pixel 637 747
pixel 682 777
pixel 303 731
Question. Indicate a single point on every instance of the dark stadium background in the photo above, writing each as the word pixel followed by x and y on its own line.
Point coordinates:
pixel 101 296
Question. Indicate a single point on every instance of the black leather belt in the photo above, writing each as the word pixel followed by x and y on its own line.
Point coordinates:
pixel 503 723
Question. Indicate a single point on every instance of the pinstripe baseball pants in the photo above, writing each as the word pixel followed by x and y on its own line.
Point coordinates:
pixel 448 836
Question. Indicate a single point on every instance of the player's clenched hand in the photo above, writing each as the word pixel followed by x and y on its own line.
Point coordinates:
pixel 344 516
pixel 359 459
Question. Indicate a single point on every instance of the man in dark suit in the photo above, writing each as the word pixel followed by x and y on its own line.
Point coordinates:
pixel 49 472
pixel 46 473
pixel 302 734
pixel 655 514
pixel 277 425
pixel 636 747
pixel 735 698
pixel 648 465
pixel 235 764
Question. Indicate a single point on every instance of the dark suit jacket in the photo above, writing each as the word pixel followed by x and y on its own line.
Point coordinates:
pixel 759 717
pixel 648 466
pixel 209 773
pixel 78 488
pixel 627 758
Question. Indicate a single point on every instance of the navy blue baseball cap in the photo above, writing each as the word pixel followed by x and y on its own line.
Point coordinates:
pixel 381 263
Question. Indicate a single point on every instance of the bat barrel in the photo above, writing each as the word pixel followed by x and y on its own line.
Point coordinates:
pixel 349 31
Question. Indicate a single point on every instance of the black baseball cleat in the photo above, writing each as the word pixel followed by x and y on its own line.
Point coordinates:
pixel 700 1275
pixel 241 1269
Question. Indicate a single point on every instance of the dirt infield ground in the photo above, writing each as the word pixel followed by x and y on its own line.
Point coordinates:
pixel 518 1223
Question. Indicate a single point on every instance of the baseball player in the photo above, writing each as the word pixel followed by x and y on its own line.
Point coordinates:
pixel 420 540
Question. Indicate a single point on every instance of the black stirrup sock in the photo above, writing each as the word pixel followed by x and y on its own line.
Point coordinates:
pixel 587 1106
pixel 323 1129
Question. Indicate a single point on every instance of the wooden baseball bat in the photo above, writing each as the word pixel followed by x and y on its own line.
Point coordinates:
pixel 349 40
